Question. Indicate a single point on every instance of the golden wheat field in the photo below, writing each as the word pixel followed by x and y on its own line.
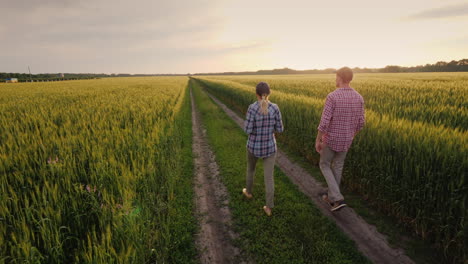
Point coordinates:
pixel 410 159
pixel 100 171
pixel 89 170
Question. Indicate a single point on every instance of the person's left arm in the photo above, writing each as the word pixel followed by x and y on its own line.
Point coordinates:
pixel 361 120
pixel 278 121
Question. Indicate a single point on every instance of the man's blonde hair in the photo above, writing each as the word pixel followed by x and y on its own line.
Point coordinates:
pixel 346 74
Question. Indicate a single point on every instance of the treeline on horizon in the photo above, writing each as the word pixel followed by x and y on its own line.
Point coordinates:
pixel 25 77
pixel 441 66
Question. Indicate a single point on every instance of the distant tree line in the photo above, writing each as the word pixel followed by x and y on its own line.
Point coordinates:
pixel 26 77
pixel 441 66
pixel 23 77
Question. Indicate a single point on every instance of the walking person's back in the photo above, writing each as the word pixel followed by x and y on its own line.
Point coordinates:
pixel 342 119
pixel 262 121
pixel 343 116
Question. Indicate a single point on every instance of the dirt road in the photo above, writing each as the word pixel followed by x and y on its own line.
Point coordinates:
pixel 215 236
pixel 370 242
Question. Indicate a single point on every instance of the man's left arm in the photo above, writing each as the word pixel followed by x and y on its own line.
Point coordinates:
pixel 361 120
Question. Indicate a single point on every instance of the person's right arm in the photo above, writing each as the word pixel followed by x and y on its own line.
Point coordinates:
pixel 249 121
pixel 318 141
pixel 324 123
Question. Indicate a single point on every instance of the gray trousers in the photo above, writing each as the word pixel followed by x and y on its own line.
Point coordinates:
pixel 268 168
pixel 331 165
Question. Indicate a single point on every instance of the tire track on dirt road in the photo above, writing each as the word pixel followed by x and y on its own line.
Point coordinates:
pixel 215 236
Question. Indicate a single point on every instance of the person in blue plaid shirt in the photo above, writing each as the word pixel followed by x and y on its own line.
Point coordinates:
pixel 262 121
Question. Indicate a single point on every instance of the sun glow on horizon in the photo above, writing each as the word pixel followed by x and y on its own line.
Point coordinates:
pixel 311 35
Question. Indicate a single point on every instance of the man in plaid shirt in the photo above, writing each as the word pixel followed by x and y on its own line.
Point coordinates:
pixel 342 118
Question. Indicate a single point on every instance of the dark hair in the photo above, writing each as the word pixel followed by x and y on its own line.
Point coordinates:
pixel 346 74
pixel 262 88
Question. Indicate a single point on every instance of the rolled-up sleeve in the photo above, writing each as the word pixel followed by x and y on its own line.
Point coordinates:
pixel 326 115
pixel 278 121
pixel 249 121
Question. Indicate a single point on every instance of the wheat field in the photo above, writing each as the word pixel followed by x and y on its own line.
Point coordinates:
pixel 411 157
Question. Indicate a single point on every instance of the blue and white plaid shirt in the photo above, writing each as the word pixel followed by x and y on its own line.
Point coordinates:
pixel 261 128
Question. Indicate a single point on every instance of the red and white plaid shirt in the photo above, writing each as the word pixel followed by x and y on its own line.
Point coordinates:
pixel 342 118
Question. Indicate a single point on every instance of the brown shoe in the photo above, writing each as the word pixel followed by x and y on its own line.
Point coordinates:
pixel 267 210
pixel 338 205
pixel 324 197
pixel 246 194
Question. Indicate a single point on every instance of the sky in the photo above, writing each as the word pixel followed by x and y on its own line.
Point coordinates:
pixel 193 36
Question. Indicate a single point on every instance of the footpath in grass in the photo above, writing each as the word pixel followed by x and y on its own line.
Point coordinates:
pixel 183 225
pixel 297 232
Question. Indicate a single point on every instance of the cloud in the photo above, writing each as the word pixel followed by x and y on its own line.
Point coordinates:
pixel 104 35
pixel 443 12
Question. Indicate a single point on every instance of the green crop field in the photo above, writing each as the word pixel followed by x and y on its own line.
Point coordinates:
pixel 96 171
pixel 410 159
pixel 101 171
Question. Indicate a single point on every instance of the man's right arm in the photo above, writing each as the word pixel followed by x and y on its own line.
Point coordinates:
pixel 326 115
pixel 318 141
pixel 324 123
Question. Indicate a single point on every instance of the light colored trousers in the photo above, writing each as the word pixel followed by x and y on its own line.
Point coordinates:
pixel 268 168
pixel 331 165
